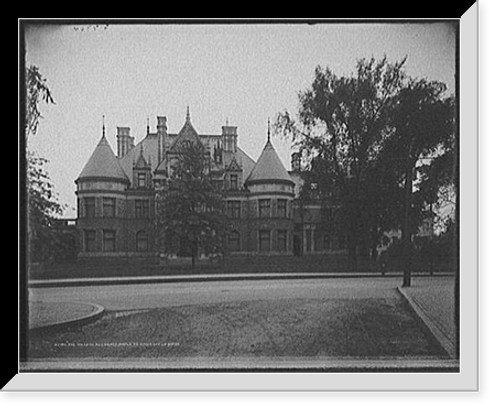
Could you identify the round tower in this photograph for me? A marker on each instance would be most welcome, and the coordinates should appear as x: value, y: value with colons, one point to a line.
x: 101, y: 195
x: 271, y: 192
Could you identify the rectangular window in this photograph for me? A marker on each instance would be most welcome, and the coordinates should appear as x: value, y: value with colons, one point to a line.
x: 89, y: 244
x: 89, y: 207
x: 342, y: 242
x: 264, y: 208
x: 233, y: 181
x: 141, y: 208
x: 234, y: 209
x: 308, y: 240
x: 234, y: 241
x: 282, y: 208
x: 109, y: 207
x: 141, y: 180
x: 219, y: 185
x: 109, y: 240
x: 327, y: 244
x: 141, y: 240
x: 264, y: 240
x: 282, y: 240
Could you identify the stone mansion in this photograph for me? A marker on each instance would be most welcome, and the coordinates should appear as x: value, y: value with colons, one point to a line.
x: 116, y: 196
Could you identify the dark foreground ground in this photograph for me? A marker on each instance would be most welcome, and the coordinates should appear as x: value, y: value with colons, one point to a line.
x: 359, y: 327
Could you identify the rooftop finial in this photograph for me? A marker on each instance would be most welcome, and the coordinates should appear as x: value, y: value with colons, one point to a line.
x: 268, y: 130
x: 147, y: 128
x: 103, y: 126
x: 188, y: 116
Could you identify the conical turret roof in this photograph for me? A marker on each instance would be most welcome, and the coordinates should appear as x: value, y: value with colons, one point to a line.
x: 269, y: 167
x: 103, y: 164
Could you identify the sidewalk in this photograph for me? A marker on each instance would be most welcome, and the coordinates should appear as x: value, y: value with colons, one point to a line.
x: 434, y: 303
x: 152, y: 279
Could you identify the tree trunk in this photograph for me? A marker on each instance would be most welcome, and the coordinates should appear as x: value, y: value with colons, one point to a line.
x: 351, y: 253
x: 352, y: 240
x: 374, y: 244
x: 407, y: 246
x: 374, y: 252
x: 194, y: 253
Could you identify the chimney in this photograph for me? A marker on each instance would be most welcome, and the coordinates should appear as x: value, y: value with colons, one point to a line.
x: 296, y: 161
x: 229, y: 138
x: 124, y: 141
x: 161, y: 129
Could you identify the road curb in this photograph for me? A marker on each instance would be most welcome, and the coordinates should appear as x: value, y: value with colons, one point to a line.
x: 82, y: 282
x: 218, y: 364
x: 96, y: 313
x: 441, y: 337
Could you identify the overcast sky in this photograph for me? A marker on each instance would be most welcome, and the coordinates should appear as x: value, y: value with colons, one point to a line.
x: 243, y: 73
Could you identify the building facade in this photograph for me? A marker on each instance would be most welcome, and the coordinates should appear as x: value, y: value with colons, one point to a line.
x: 116, y: 196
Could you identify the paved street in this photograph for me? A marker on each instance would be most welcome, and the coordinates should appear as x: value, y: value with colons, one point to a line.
x: 223, y: 323
x: 148, y: 296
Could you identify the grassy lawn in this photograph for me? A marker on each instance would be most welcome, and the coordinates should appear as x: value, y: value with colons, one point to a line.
x: 230, y: 265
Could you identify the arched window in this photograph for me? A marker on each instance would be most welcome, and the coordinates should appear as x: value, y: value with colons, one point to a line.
x: 141, y: 241
x: 234, y: 241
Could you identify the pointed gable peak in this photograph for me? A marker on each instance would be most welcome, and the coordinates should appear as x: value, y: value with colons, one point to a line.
x: 234, y: 165
x: 187, y: 133
x: 141, y: 161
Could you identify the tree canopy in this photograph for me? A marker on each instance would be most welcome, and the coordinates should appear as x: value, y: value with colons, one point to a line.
x: 362, y: 136
x: 190, y: 207
x: 43, y: 206
x: 37, y: 91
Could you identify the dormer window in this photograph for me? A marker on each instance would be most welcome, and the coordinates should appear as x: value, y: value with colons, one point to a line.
x: 233, y: 181
x: 141, y: 180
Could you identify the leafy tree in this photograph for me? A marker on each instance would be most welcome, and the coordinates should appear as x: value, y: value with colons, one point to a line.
x: 363, y: 137
x: 342, y: 126
x: 43, y: 208
x: 438, y: 180
x: 36, y: 91
x: 43, y: 205
x: 190, y: 208
x: 423, y: 122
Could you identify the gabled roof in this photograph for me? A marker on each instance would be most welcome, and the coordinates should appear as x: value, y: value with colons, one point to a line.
x: 246, y: 162
x: 186, y: 134
x: 269, y: 167
x: 233, y: 165
x: 103, y: 164
x: 150, y: 148
x: 141, y: 163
